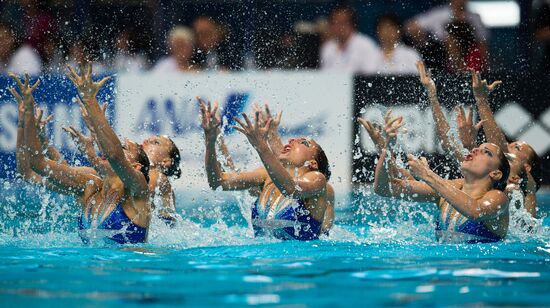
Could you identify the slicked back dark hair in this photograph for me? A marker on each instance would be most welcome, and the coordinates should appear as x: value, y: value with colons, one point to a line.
x: 174, y: 169
x: 143, y: 159
x: 322, y: 162
x: 505, y: 169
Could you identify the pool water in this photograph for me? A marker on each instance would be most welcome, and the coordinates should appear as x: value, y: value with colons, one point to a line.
x: 380, y: 253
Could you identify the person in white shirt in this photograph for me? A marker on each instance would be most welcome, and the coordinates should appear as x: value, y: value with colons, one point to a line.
x: 180, y: 44
x: 395, y: 58
x: 435, y: 20
x: 21, y: 60
x: 347, y: 50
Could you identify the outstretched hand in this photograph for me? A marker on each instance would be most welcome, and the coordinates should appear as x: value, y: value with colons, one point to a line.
x: 425, y: 77
x: 375, y: 133
x: 25, y: 89
x: 391, y: 127
x: 84, y: 83
x: 480, y: 87
x: 256, y: 133
x: 265, y: 115
x: 210, y: 121
x: 467, y: 130
x: 41, y: 126
x: 83, y: 142
x: 418, y: 167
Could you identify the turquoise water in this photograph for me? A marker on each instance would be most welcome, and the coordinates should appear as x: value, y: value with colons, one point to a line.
x: 380, y: 253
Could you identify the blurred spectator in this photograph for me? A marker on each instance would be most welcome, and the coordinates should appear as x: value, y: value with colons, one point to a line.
x: 212, y: 46
x: 80, y: 53
x: 347, y: 50
x: 541, y: 32
x: 53, y: 55
x: 17, y: 59
x: 38, y: 22
x: 463, y: 50
x: 126, y: 59
x: 180, y: 46
x: 394, y: 56
x: 428, y: 34
x: 435, y: 20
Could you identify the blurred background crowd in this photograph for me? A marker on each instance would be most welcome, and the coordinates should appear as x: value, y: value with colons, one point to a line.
x: 364, y: 37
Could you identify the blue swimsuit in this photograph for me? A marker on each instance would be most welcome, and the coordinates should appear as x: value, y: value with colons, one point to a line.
x: 291, y: 221
x: 118, y: 227
x: 469, y: 231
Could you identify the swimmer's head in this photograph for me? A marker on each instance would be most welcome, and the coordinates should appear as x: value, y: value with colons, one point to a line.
x: 137, y: 157
x: 163, y: 152
x: 487, y: 160
x: 301, y: 152
x: 521, y: 153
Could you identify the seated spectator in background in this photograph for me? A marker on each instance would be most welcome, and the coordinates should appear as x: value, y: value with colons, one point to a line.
x: 53, y: 55
x: 80, y: 54
x: 435, y: 21
x: 180, y: 45
x: 17, y: 59
x: 395, y: 58
x: 126, y: 59
x: 347, y: 50
x: 428, y: 34
x: 212, y: 46
x: 541, y: 28
x: 463, y: 50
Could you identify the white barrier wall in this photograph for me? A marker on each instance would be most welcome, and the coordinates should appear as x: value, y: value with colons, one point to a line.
x: 314, y: 105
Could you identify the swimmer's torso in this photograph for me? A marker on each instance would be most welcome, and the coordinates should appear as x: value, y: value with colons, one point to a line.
x: 450, y: 223
x: 285, y: 217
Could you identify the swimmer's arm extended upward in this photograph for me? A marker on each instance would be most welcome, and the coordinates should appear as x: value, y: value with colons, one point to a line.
x: 133, y: 179
x: 311, y: 184
x: 214, y: 173
x: 490, y: 206
x: 481, y: 92
x: 448, y: 143
x: 66, y: 179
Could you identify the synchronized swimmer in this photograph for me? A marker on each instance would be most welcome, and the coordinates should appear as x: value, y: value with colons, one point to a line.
x: 120, y: 193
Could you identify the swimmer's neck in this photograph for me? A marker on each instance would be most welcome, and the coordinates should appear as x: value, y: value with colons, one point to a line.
x: 296, y: 171
x: 476, y: 187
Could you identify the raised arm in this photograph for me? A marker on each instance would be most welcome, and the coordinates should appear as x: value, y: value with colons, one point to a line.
x: 65, y: 178
x: 216, y: 176
x: 309, y: 185
x: 442, y: 126
x: 481, y: 92
x: 490, y: 206
x: 133, y: 179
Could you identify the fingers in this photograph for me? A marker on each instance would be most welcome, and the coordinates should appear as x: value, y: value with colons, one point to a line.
x: 410, y: 157
x: 279, y: 116
x: 17, y: 80
x: 249, y: 124
x: 495, y: 84
x: 479, y: 125
x: 267, y: 111
x: 257, y: 119
x: 103, y: 81
x: 387, y: 115
x: 48, y: 119
x: 240, y: 122
x: 235, y: 127
x: 215, y: 109
x: 16, y: 95
x: 27, y: 79
x: 424, y: 161
x: 470, y: 115
x: 397, y: 120
x: 38, y: 115
x: 35, y: 85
